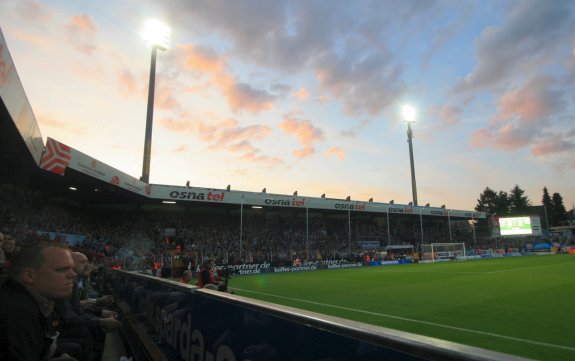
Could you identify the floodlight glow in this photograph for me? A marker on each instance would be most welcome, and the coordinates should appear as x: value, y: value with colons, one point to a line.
x: 156, y: 34
x: 408, y: 112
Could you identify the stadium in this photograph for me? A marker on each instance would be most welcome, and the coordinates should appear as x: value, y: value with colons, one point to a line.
x: 373, y: 280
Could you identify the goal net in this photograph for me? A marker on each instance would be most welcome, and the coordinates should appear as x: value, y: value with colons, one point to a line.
x: 435, y: 252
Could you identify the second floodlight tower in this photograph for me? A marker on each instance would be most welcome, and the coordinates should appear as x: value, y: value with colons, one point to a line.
x: 156, y: 34
x: 408, y: 114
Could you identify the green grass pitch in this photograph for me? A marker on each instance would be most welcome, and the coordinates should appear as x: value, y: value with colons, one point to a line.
x: 518, y: 305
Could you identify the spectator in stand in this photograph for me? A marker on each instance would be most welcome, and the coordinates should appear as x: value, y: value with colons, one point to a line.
x: 187, y: 277
x: 2, y: 256
x: 207, y: 278
x: 8, y: 247
x: 39, y: 274
x: 83, y: 324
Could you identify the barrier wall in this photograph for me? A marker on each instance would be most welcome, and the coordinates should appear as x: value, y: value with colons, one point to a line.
x: 187, y: 323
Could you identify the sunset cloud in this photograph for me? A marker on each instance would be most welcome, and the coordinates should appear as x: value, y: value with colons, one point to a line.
x: 240, y: 96
x: 519, y: 44
x: 531, y: 103
x: 225, y: 135
x: 164, y: 97
x: 558, y: 144
x: 201, y: 59
x: 305, y: 132
x: 32, y: 9
x: 337, y: 152
x: 81, y: 33
x: 127, y: 84
x: 301, y: 94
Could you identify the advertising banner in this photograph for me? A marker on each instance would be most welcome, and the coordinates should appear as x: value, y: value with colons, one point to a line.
x: 182, y: 193
x: 58, y: 157
x: 187, y: 326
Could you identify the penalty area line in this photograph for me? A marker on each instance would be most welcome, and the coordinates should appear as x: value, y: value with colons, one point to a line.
x: 490, y: 334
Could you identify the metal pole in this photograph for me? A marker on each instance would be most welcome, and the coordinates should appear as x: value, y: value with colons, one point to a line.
x: 421, y: 223
x: 307, y: 233
x: 449, y: 224
x: 546, y: 220
x: 349, y: 233
x: 388, y: 228
x: 241, y: 225
x: 413, y: 184
x: 149, y: 120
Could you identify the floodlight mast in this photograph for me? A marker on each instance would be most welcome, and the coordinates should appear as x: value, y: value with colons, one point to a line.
x: 156, y: 34
x: 408, y: 113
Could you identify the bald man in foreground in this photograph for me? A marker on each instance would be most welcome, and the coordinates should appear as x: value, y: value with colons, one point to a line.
x: 39, y: 274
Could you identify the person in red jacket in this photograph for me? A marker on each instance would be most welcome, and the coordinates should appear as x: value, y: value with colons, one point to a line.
x: 207, y: 276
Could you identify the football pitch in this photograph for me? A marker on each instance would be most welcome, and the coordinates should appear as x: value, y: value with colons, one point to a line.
x: 518, y: 305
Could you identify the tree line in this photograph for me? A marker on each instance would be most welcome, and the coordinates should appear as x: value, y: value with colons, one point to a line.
x: 515, y: 202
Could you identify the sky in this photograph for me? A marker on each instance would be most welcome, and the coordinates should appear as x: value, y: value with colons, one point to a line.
x: 306, y: 95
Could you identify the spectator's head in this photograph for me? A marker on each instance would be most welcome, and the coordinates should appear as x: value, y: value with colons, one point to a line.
x: 81, y: 265
x: 9, y: 244
x: 46, y: 269
x: 187, y: 275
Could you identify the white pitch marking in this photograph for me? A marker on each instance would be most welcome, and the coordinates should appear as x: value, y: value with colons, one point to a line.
x: 422, y: 322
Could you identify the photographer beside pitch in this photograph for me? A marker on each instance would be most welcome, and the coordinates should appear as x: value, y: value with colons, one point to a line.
x: 207, y: 278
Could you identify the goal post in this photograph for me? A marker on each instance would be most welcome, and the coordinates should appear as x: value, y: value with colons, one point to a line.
x: 436, y: 252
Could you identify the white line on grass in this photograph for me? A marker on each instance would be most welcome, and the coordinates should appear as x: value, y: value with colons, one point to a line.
x: 528, y: 268
x: 419, y: 321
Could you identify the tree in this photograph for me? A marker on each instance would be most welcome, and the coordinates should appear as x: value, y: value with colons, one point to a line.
x: 502, y: 203
x: 558, y: 212
x: 487, y: 201
x: 547, y: 206
x: 518, y: 201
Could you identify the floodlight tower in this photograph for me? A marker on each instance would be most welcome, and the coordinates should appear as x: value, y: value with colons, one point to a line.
x: 156, y: 34
x: 408, y: 113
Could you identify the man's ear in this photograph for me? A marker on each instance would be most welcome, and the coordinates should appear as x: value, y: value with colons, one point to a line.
x: 28, y: 276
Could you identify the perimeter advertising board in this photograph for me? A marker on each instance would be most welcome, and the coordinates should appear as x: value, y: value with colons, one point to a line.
x: 187, y: 326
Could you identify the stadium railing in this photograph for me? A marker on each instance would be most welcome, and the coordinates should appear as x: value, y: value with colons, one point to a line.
x: 179, y: 322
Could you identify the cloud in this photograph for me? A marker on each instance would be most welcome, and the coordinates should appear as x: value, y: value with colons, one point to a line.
x: 81, y: 33
x: 337, y: 152
x: 524, y: 115
x: 127, y: 84
x: 519, y: 44
x: 365, y: 84
x: 554, y: 145
x: 201, y: 59
x: 164, y: 96
x: 32, y: 10
x: 305, y: 132
x: 280, y: 89
x: 301, y: 94
x: 344, y: 45
x: 240, y: 96
x: 449, y: 115
x: 507, y: 138
x: 225, y: 135
x: 183, y: 149
x: 531, y: 103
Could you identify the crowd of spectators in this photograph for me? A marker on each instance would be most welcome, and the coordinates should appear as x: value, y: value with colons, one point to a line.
x: 137, y: 238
